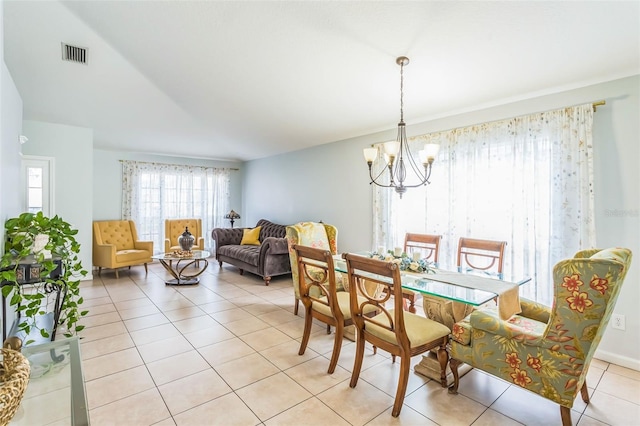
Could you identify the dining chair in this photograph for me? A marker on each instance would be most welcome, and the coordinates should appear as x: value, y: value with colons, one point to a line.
x: 547, y: 350
x: 394, y: 330
x: 429, y: 248
x: 320, y: 298
x: 481, y: 256
x: 311, y: 234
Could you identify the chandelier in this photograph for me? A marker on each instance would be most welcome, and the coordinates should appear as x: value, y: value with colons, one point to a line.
x: 397, y: 154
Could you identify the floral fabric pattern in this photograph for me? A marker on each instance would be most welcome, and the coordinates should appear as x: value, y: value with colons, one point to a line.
x: 548, y: 351
x: 311, y: 234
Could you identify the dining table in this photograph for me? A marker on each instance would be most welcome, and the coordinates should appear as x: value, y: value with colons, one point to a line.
x: 449, y: 296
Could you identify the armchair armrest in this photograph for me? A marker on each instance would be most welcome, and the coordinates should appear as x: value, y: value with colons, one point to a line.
x: 144, y: 245
x: 524, y: 330
x: 535, y: 310
x: 104, y: 254
x: 273, y: 245
x: 274, y: 256
x: 167, y: 245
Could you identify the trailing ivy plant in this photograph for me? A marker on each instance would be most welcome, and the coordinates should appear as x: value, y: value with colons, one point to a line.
x: 30, y: 301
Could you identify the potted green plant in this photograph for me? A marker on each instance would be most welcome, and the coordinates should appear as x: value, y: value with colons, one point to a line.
x: 24, y: 244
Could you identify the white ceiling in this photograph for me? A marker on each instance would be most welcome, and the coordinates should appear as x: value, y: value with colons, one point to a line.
x: 241, y: 80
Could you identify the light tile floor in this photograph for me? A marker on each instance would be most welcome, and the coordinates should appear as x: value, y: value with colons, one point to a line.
x: 226, y: 352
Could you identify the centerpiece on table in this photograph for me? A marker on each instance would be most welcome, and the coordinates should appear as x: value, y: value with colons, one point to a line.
x: 406, y: 263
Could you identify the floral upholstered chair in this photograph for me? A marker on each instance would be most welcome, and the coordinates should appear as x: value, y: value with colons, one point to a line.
x: 548, y: 350
x: 311, y: 234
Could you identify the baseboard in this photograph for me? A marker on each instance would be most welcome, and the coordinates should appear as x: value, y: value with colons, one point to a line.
x: 617, y: 359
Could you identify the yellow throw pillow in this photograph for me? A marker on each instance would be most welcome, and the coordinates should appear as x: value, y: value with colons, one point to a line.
x: 251, y: 236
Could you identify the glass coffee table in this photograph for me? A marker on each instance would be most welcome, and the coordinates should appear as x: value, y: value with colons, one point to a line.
x: 179, y: 272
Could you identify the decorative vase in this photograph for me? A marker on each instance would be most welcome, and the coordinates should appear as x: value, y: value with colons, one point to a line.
x: 186, y: 240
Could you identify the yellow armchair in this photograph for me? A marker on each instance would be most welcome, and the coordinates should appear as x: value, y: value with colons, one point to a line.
x: 173, y: 228
x: 116, y: 245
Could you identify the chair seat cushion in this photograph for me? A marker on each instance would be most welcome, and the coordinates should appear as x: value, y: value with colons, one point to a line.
x: 343, y: 302
x: 420, y: 330
x: 131, y: 255
x: 461, y: 331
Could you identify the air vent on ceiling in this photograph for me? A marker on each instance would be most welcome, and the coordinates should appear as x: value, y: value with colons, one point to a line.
x: 74, y: 54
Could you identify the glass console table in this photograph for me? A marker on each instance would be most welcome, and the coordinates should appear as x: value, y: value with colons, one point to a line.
x: 55, y: 393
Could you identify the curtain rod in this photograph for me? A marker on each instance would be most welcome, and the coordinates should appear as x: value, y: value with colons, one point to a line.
x: 594, y: 104
x: 173, y: 164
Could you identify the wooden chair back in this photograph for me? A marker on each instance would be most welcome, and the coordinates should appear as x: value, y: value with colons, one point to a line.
x: 320, y: 297
x: 387, y: 275
x: 427, y: 245
x: 316, y: 271
x: 481, y: 255
x: 398, y: 332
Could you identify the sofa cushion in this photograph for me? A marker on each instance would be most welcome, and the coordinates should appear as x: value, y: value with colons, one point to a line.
x: 247, y: 254
x: 251, y: 236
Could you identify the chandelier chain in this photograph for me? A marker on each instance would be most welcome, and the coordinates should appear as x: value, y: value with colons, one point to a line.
x: 402, y: 92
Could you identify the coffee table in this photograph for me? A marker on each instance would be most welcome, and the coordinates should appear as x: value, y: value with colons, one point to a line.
x: 179, y: 272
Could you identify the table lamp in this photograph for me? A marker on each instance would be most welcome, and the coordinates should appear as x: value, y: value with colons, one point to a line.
x: 232, y: 215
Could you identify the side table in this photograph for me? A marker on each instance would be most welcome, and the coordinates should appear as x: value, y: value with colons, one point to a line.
x: 28, y: 273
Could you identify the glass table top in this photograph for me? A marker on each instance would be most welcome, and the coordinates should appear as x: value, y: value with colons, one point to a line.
x: 426, y: 284
x: 195, y: 255
x: 55, y: 393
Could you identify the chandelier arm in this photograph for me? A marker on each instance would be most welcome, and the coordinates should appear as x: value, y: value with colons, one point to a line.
x: 375, y: 180
x: 419, y: 170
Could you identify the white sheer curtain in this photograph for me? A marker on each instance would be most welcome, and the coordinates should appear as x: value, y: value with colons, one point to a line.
x: 526, y: 180
x: 153, y: 192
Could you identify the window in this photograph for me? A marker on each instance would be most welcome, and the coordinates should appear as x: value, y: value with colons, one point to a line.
x: 154, y: 192
x: 37, y: 176
x: 527, y: 181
